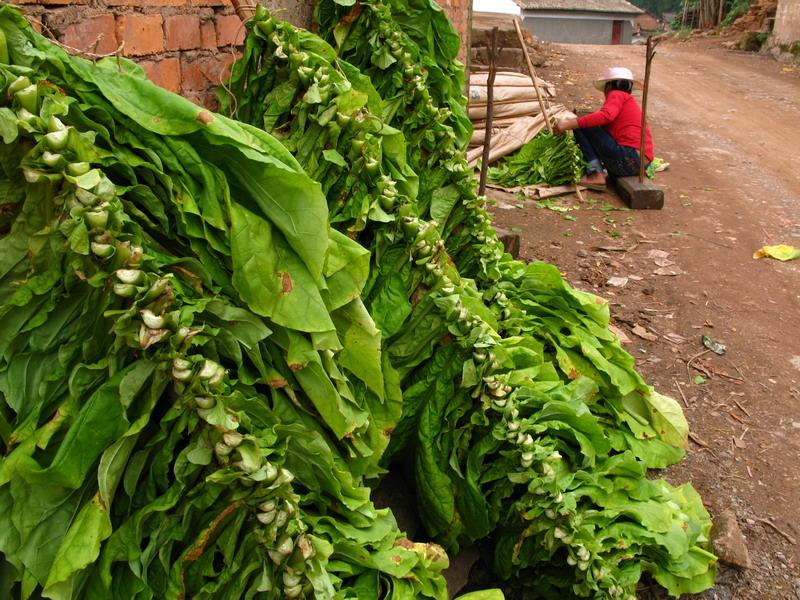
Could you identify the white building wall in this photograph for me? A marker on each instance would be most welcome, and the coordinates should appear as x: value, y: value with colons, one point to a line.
x: 576, y: 28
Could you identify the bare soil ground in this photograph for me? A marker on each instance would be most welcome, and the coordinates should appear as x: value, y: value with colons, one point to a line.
x: 729, y: 125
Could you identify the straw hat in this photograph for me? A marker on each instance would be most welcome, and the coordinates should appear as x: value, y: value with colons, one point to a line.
x: 613, y: 73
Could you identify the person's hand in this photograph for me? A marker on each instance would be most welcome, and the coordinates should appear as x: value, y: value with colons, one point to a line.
x: 561, y: 126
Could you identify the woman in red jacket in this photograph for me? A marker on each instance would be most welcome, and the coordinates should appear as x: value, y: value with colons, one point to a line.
x: 611, y: 137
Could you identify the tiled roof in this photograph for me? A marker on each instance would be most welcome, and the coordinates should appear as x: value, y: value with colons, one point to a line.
x: 605, y: 6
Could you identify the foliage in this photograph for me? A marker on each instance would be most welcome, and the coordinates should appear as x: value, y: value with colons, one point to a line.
x: 514, y: 391
x: 206, y: 354
x: 171, y: 297
x: 659, y: 7
x: 548, y: 159
x: 734, y: 10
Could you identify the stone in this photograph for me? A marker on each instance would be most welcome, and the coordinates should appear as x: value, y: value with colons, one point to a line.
x: 510, y: 241
x: 728, y: 541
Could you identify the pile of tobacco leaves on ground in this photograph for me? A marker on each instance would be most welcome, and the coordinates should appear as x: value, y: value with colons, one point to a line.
x: 547, y: 158
x: 218, y: 333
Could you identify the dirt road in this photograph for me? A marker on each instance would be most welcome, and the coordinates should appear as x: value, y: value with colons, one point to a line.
x: 729, y: 125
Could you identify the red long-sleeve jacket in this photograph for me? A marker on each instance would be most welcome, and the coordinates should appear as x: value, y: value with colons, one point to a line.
x: 621, y: 117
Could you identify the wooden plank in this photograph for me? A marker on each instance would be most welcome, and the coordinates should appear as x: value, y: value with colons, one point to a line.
x: 639, y: 195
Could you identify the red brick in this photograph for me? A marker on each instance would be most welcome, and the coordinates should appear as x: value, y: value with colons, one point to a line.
x: 34, y: 16
x: 204, y: 73
x: 165, y: 72
x: 192, y: 76
x: 210, y: 2
x: 145, y: 3
x: 230, y: 31
x: 97, y: 35
x: 208, y: 35
x: 51, y: 2
x: 182, y: 32
x: 205, y: 99
x: 142, y: 34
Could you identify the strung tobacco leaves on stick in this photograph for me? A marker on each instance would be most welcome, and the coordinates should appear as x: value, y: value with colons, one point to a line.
x: 530, y: 430
x: 190, y: 386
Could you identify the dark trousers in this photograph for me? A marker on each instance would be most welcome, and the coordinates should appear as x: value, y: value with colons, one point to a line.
x: 601, y: 150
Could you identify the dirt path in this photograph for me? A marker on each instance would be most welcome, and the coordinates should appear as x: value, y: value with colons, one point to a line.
x: 729, y: 125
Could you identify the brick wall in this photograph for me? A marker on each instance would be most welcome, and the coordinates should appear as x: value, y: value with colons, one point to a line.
x: 787, y: 22
x: 186, y: 46
x: 460, y: 14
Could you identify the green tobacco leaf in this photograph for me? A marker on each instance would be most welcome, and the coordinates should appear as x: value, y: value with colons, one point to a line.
x: 271, y: 278
x: 346, y: 270
x: 112, y: 465
x: 8, y: 125
x: 134, y: 95
x: 362, y: 345
x: 81, y: 545
x: 292, y: 202
x: 668, y: 420
x: 390, y: 307
x: 332, y: 156
x: 248, y: 328
x: 483, y: 595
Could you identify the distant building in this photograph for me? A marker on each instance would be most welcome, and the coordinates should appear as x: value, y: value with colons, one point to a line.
x: 646, y: 22
x: 580, y: 21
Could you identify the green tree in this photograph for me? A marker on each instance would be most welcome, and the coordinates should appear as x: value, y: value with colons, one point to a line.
x: 658, y: 7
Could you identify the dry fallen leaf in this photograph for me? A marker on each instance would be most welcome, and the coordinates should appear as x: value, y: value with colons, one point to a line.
x: 675, y: 338
x: 643, y: 333
x: 623, y: 337
x: 617, y: 281
x: 667, y: 272
x: 657, y: 254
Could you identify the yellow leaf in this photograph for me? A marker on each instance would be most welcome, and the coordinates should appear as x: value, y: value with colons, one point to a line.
x: 781, y: 252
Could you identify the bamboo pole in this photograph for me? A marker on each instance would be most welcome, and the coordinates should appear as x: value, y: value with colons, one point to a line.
x: 532, y: 73
x: 491, y: 46
x: 719, y: 15
x: 245, y: 9
x: 651, y: 52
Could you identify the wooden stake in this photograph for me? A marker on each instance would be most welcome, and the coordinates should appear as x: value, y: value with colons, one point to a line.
x: 532, y: 73
x: 491, y: 46
x: 651, y: 52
